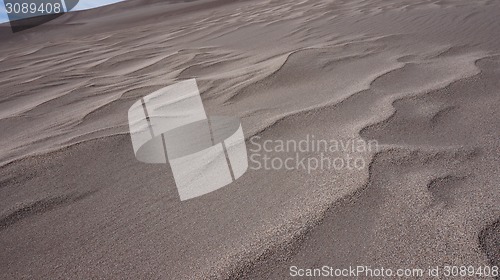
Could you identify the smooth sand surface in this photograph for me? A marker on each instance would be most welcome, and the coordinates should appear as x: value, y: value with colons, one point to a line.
x: 420, y: 77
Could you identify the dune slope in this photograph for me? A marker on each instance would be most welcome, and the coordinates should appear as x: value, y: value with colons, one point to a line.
x: 419, y: 77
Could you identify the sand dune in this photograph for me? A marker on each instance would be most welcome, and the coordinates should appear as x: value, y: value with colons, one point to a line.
x: 419, y: 77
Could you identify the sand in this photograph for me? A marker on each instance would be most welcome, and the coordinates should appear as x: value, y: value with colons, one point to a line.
x: 419, y: 77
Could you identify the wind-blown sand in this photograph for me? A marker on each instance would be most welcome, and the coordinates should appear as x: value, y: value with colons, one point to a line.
x: 420, y: 77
